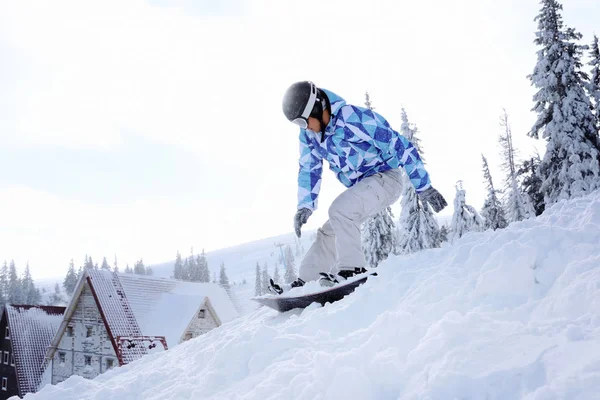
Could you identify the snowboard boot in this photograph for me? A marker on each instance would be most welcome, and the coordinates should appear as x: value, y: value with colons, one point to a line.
x: 284, y: 287
x: 331, y: 279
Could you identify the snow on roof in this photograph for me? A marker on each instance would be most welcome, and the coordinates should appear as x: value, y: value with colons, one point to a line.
x: 116, y: 310
x: 31, y: 331
x: 165, y: 307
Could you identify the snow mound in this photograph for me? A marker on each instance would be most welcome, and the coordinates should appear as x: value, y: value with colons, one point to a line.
x: 511, y: 314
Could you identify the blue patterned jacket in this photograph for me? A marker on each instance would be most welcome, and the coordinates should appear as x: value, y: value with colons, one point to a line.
x: 358, y: 143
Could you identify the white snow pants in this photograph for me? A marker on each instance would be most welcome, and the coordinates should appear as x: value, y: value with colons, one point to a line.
x: 338, y: 244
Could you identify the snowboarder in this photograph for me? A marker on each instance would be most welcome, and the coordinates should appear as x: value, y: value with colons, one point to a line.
x: 365, y: 153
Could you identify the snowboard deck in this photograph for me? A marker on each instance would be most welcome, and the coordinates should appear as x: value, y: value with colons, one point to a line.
x: 331, y: 294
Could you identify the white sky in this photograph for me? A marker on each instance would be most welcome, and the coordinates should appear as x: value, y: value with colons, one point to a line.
x: 141, y: 128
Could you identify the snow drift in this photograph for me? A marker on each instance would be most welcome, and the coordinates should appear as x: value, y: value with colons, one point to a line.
x: 511, y: 314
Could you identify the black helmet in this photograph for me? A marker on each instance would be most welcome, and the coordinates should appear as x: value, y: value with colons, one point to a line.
x: 303, y: 100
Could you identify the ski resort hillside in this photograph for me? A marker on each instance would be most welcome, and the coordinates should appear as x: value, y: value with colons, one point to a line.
x: 507, y: 314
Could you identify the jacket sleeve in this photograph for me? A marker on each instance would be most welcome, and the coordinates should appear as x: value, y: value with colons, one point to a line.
x: 309, y: 175
x: 396, y: 150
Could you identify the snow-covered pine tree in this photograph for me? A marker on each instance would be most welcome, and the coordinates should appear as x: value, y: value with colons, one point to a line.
x: 594, y: 83
x: 444, y: 231
x: 223, y: 279
x: 116, y: 266
x: 178, y: 267
x: 56, y: 299
x: 492, y: 212
x: 139, y: 268
x: 105, y: 265
x: 418, y: 228
x: 14, y: 285
x: 194, y: 268
x: 276, y: 277
x: 378, y: 237
x: 571, y: 164
x: 379, y: 231
x: 531, y: 183
x: 204, y: 271
x: 185, y: 270
x: 71, y: 279
x: 258, y: 285
x: 128, y: 269
x: 29, y: 293
x: 4, y: 287
x: 88, y: 262
x: 465, y: 218
x: 149, y: 271
x: 265, y: 280
x: 515, y: 205
x: 290, y: 263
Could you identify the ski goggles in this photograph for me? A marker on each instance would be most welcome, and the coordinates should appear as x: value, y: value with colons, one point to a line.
x: 302, y: 120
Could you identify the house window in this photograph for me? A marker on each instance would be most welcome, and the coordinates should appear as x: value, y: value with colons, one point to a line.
x: 6, y: 357
x: 62, y: 357
x: 188, y: 335
x: 88, y: 332
x: 201, y: 313
x: 88, y: 360
x: 12, y: 360
x: 7, y: 335
x: 69, y: 331
x: 109, y: 363
x: 5, y: 384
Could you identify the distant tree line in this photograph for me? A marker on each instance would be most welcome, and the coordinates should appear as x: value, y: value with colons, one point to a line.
x: 15, y: 289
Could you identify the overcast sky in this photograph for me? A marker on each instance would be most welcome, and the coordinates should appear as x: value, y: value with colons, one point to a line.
x: 139, y: 128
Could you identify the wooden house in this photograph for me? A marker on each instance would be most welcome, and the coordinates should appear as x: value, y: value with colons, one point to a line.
x: 113, y: 319
x: 26, y: 332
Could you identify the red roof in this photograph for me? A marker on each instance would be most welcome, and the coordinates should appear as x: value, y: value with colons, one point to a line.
x: 32, y: 329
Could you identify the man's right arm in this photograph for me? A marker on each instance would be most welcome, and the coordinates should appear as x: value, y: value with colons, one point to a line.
x: 309, y: 175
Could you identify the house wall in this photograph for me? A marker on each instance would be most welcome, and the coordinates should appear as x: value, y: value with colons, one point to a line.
x: 79, y: 346
x: 7, y: 370
x: 199, y: 326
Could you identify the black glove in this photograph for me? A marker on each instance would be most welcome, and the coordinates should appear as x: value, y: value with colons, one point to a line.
x: 300, y: 219
x: 434, y: 198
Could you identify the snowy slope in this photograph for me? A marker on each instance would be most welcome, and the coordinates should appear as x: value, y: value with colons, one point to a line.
x: 513, y: 314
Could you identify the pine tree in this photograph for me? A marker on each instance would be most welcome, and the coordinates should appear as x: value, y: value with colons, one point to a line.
x: 571, y: 164
x: 105, y: 265
x: 444, y: 231
x: 378, y: 238
x: 492, y: 212
x: 531, y: 183
x: 516, y: 209
x: 178, y: 267
x: 465, y: 218
x: 29, y: 293
x: 56, y: 299
x: 116, y: 266
x: 70, y: 281
x: 139, y: 268
x: 203, y: 266
x: 149, y: 271
x: 290, y: 272
x: 258, y: 285
x: 417, y: 227
x: 185, y: 271
x: 276, y: 277
x: 14, y: 285
x: 594, y: 84
x: 265, y: 279
x: 223, y: 279
x: 4, y: 287
x: 89, y: 263
x: 194, y: 268
x: 128, y: 269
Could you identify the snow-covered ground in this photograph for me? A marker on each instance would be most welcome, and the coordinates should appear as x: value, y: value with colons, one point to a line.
x: 512, y: 314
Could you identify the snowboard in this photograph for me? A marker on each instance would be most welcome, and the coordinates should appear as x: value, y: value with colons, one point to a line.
x: 283, y: 303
